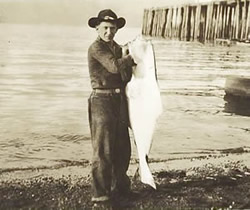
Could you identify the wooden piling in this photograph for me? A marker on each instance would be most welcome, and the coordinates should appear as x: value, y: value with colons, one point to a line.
x: 248, y: 22
x: 227, y: 29
x: 186, y: 24
x: 219, y: 32
x: 144, y: 22
x: 162, y: 23
x: 192, y: 22
x: 151, y: 22
x: 209, y: 16
x: 237, y: 11
x: 183, y: 27
x: 215, y: 20
x: 243, y: 20
x: 168, y: 23
x: 154, y: 26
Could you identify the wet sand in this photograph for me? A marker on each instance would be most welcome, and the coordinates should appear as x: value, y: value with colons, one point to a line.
x: 211, y: 182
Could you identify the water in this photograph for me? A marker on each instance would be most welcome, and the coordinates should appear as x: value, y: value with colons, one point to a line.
x: 44, y: 87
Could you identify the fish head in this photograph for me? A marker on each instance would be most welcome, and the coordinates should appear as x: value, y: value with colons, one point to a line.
x: 140, y: 49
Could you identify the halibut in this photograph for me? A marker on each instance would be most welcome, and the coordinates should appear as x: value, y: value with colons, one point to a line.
x: 144, y: 102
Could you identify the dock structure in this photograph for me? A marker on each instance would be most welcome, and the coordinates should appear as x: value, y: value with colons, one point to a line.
x: 204, y: 21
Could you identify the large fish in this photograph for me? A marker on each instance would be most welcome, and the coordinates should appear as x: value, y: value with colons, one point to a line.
x: 144, y: 102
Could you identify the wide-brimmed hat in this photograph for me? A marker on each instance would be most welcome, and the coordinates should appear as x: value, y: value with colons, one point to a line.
x: 109, y: 16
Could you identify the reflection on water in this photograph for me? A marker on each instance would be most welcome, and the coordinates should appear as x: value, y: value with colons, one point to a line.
x: 44, y: 88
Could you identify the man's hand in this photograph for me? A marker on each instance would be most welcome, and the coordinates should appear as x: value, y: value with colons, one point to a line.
x: 125, y: 50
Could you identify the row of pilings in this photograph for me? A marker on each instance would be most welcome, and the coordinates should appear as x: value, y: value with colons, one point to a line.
x: 214, y: 20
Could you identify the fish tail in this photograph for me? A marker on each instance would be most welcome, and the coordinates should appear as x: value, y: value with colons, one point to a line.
x: 146, y: 175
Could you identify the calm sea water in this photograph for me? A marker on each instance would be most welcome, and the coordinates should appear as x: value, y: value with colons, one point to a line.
x: 44, y: 87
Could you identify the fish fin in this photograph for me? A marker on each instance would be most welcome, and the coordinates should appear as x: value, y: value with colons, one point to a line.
x: 146, y: 175
x: 149, y: 180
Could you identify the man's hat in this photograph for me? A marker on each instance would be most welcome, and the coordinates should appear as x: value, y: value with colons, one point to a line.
x: 106, y: 15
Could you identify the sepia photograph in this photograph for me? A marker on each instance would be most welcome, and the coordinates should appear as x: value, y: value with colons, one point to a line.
x: 137, y: 104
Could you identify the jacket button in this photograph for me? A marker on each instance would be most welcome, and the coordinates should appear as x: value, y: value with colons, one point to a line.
x: 117, y: 90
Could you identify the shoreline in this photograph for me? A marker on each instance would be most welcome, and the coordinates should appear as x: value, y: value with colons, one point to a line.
x: 179, y: 182
x: 82, y: 169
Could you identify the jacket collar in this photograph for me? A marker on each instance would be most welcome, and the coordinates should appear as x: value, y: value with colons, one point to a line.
x: 110, y: 45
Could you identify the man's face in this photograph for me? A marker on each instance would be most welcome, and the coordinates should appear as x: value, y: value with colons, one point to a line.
x: 106, y: 31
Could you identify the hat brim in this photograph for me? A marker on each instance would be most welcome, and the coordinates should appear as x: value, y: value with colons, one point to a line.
x: 94, y: 21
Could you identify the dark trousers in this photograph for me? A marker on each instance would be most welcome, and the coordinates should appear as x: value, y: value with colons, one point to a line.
x: 108, y: 119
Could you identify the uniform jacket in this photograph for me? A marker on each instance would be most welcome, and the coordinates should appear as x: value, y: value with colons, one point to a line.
x: 107, y: 68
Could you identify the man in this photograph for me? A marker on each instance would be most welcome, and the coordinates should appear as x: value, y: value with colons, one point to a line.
x: 108, y: 114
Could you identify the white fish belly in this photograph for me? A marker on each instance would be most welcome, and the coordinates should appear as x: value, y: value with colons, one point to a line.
x: 144, y: 104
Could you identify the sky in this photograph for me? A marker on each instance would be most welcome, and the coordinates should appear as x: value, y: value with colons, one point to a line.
x: 75, y: 12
